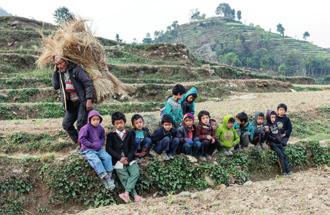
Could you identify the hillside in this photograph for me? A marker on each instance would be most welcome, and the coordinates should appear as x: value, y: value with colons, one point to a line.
x: 231, y: 42
x: 42, y: 172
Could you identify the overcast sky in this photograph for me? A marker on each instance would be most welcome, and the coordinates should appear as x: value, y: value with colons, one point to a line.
x: 134, y: 18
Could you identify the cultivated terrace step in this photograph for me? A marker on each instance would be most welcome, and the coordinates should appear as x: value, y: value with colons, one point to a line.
x: 10, y: 111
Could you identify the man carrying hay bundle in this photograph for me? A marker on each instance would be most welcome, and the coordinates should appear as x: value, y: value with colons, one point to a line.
x: 81, y: 72
x: 77, y: 92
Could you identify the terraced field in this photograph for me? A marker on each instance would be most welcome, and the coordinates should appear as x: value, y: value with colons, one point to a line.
x: 40, y: 168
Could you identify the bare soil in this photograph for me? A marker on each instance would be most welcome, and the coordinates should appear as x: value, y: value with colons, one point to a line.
x: 305, y: 192
x: 248, y: 102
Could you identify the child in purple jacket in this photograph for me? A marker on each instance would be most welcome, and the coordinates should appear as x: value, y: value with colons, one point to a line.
x: 91, y: 139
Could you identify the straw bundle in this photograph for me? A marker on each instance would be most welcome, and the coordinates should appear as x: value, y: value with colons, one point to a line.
x: 75, y: 42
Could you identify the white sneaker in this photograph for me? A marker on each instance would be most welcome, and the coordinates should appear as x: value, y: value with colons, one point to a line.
x: 111, y: 184
x: 165, y: 157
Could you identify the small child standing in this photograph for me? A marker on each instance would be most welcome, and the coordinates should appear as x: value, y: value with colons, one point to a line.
x: 275, y: 140
x: 121, y: 146
x: 206, y: 135
x: 173, y: 107
x: 166, y: 139
x: 91, y: 139
x: 188, y: 101
x: 244, y: 129
x: 259, y: 130
x: 227, y: 135
x: 142, y: 136
x: 284, y: 123
x: 187, y: 136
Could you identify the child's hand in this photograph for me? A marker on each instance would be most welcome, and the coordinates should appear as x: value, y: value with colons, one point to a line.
x: 209, y: 137
x: 266, y: 128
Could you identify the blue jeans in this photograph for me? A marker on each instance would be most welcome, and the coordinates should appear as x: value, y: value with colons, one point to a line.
x: 279, y: 149
x: 144, y: 143
x: 192, y: 147
x: 167, y: 144
x: 99, y: 160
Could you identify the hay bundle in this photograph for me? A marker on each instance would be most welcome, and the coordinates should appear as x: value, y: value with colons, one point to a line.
x: 75, y: 42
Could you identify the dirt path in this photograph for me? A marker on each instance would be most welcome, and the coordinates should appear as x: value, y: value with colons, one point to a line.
x: 301, y: 193
x: 248, y: 102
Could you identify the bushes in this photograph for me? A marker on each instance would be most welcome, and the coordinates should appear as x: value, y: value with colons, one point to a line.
x: 73, y: 181
x: 297, y: 155
x: 320, y: 154
x: 170, y: 177
x: 14, y: 187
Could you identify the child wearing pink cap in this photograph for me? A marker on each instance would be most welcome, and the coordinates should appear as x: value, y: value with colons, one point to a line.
x: 187, y: 136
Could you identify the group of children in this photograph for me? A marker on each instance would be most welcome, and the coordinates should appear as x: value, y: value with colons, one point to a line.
x: 177, y: 134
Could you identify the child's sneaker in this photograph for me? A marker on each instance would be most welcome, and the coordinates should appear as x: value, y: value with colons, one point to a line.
x: 264, y: 146
x: 165, y: 157
x: 105, y: 183
x: 191, y: 159
x: 171, y: 157
x: 110, y: 182
x: 203, y: 158
x: 227, y: 152
x: 153, y: 153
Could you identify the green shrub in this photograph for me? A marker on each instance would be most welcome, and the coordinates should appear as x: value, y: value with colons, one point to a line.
x: 320, y: 154
x: 297, y: 155
x: 12, y: 194
x: 75, y: 180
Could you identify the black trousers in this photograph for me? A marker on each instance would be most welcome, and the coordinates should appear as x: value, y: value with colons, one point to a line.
x: 208, y: 147
x: 76, y: 111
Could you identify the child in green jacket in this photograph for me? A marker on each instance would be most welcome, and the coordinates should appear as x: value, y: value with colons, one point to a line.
x: 172, y: 105
x: 227, y: 135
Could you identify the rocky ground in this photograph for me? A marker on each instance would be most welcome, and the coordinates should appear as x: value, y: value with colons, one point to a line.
x: 305, y: 192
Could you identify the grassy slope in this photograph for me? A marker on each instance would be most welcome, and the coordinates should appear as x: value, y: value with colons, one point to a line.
x: 220, y: 36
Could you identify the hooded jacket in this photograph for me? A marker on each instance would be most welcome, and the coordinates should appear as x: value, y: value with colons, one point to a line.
x: 186, y: 106
x: 90, y: 137
x: 228, y: 137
